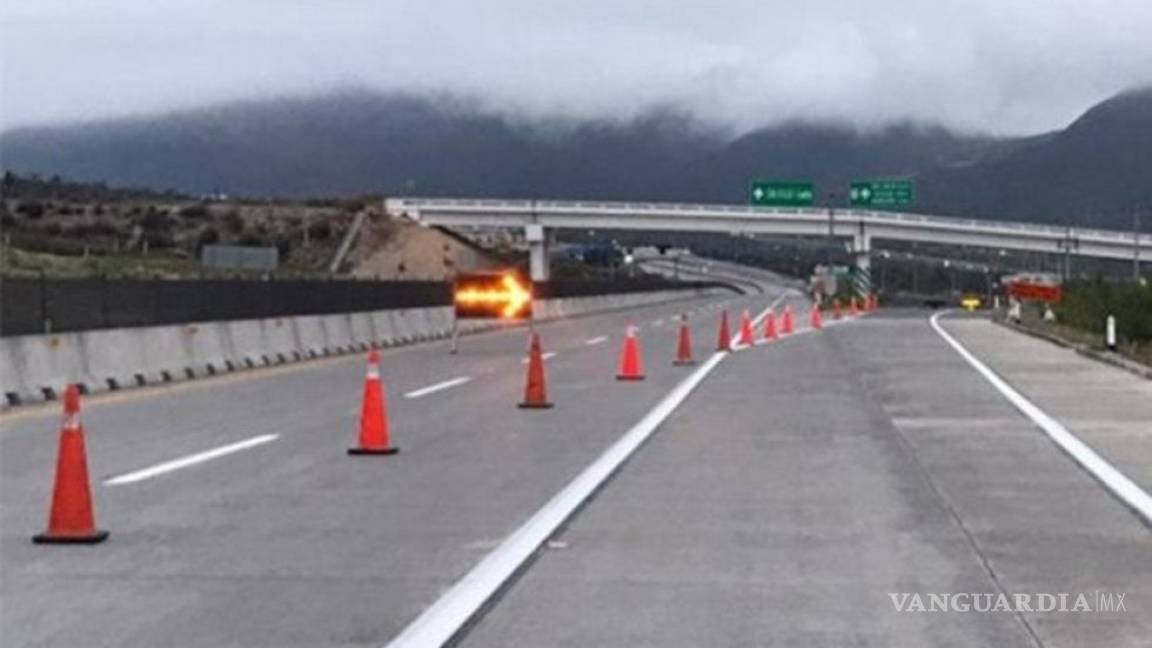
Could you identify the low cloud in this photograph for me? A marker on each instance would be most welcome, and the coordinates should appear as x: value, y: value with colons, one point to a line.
x: 996, y: 66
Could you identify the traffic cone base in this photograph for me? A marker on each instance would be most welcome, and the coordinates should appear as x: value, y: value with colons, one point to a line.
x: 373, y: 450
x: 683, y: 363
x: 93, y: 537
x: 527, y: 405
x: 629, y: 377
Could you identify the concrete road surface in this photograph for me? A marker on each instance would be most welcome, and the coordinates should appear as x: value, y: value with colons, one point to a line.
x: 781, y: 504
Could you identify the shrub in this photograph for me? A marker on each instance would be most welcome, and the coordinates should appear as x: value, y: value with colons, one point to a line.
x: 154, y: 220
x: 320, y: 230
x: 195, y: 212
x: 233, y: 221
x: 207, y: 236
x: 32, y: 210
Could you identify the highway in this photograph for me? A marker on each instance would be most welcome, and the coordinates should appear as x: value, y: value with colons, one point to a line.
x: 780, y: 503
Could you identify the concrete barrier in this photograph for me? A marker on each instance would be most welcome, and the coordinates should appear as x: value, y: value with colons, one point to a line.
x: 36, y: 367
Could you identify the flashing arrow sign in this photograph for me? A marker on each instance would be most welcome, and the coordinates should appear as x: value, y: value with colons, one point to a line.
x: 770, y: 193
x: 492, y: 295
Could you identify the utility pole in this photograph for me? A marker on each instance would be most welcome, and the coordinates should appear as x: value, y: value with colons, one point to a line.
x: 1136, y: 246
x: 1067, y: 254
x: 831, y: 225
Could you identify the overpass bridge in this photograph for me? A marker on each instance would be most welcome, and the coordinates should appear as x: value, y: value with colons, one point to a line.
x: 859, y: 227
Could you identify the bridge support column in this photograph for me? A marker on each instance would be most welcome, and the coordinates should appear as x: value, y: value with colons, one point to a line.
x: 862, y: 248
x: 537, y: 239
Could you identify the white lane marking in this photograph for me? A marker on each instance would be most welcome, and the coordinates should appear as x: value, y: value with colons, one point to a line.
x: 543, y: 356
x: 596, y: 340
x: 444, y: 618
x: 658, y: 322
x: 431, y: 389
x: 1136, y: 498
x: 190, y: 460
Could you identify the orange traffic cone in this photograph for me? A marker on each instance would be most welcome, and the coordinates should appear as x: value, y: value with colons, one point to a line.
x: 535, y: 392
x: 786, y: 324
x: 373, y: 414
x: 746, y: 336
x: 71, y: 520
x: 853, y: 308
x: 835, y: 309
x: 770, y: 326
x: 814, y: 319
x: 684, y: 345
x: 723, y: 336
x: 630, y: 358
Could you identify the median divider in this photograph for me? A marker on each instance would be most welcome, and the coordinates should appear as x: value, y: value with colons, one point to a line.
x: 37, y: 367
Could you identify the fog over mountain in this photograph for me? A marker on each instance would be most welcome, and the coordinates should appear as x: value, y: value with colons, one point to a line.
x: 988, y: 66
x: 1094, y: 172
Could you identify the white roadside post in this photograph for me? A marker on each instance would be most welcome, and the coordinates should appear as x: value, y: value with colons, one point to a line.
x: 1110, y: 333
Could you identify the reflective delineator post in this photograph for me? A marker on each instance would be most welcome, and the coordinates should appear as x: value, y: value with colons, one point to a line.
x: 1110, y: 333
x: 71, y: 519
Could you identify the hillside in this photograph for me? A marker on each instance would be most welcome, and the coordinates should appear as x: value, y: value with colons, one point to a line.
x: 1093, y: 173
x: 65, y: 228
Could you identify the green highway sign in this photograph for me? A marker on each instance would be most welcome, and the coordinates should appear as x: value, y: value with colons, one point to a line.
x: 880, y: 193
x: 769, y: 193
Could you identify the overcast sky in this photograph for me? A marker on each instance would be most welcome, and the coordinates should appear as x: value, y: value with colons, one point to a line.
x: 1001, y: 66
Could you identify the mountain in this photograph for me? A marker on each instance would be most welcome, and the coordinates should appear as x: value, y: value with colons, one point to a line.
x: 1096, y: 172
x: 1093, y: 172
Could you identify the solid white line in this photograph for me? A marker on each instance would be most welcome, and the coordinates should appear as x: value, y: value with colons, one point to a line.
x: 444, y: 618
x: 431, y: 389
x: 596, y: 340
x: 1122, y: 487
x: 190, y: 460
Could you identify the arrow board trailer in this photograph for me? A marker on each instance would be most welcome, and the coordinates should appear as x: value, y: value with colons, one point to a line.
x: 505, y: 296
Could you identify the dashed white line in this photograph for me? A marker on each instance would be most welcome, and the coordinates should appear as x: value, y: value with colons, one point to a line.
x: 432, y: 389
x: 596, y: 340
x: 1125, y: 489
x: 190, y: 460
x: 543, y: 356
x: 439, y: 623
x: 658, y: 322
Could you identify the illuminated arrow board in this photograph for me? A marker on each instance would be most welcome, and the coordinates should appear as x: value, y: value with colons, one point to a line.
x: 503, y: 295
x: 772, y: 193
x: 880, y: 193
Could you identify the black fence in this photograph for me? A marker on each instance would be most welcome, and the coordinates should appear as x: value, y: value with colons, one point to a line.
x: 30, y: 306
